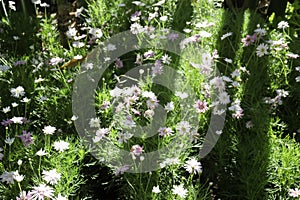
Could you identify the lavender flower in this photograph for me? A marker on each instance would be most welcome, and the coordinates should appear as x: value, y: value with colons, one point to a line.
x: 26, y: 138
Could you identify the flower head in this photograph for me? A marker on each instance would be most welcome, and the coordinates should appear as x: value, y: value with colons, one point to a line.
x: 17, y: 92
x: 136, y: 150
x: 193, y: 166
x: 164, y: 131
x: 26, y: 138
x: 49, y: 130
x: 283, y: 25
x: 294, y: 192
x: 40, y: 192
x: 179, y: 190
x: 61, y: 146
x: 51, y: 176
x: 262, y: 50
x: 201, y: 106
x: 156, y: 189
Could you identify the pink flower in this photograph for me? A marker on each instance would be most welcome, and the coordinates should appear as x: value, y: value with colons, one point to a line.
x: 201, y: 106
x: 249, y: 39
x: 136, y: 150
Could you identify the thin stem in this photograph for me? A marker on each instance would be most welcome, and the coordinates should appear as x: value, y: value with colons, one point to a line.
x: 3, y: 6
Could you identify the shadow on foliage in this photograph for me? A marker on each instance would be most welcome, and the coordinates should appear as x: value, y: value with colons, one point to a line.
x: 238, y: 163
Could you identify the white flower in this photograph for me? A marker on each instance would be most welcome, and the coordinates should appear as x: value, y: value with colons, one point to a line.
x: 294, y: 192
x: 17, y: 92
x: 148, y: 94
x: 297, y: 79
x: 179, y: 190
x: 224, y: 98
x: 40, y: 192
x: 88, y: 66
x: 17, y: 120
x: 169, y: 106
x: 100, y: 133
x: 260, y: 31
x: 111, y: 47
x: 78, y: 11
x: 283, y: 25
x: 11, y: 5
x: 226, y: 35
x: 25, y: 100
x: 36, y: 1
x: 44, y: 5
x: 116, y: 92
x: 39, y: 80
x: 219, y: 132
x: 124, y: 137
x: 166, y: 59
x: 183, y: 127
x: 49, y: 130
x: 163, y: 18
x: 193, y: 166
x: 77, y: 44
x: 61, y: 145
x: 156, y: 189
x: 55, y: 61
x: 181, y: 95
x: 94, y: 122
x: 136, y: 28
x: 96, y: 32
x: 128, y: 122
x: 262, y: 50
x: 41, y: 152
x: 14, y: 104
x: 71, y: 33
x: 169, y: 161
x: 205, y: 34
x: 51, y: 177
x: 228, y: 60
x: 6, y: 109
x: 74, y: 118
x: 9, y: 141
x: 18, y: 177
x: 235, y: 73
x: 19, y: 162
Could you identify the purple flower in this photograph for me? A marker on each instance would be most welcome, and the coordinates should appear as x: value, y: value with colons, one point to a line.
x: 6, y: 122
x: 173, y: 36
x: 249, y: 39
x: 136, y: 14
x: 20, y: 62
x: 149, y: 54
x: 122, y: 169
x: 157, y: 68
x: 119, y: 63
x: 26, y: 138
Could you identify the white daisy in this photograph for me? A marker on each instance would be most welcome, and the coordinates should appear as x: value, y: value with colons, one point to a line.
x: 49, y: 130
x: 61, y: 145
x: 51, y: 176
x: 193, y: 166
x: 262, y: 50
x: 179, y: 190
